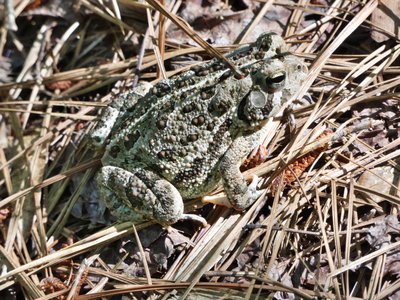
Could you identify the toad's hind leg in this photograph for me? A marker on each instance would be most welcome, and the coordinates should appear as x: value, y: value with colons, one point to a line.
x: 140, y: 194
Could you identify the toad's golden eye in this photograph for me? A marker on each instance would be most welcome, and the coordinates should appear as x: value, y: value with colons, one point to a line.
x: 276, y: 82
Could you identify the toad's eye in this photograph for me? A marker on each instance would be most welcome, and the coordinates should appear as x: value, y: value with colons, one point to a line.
x: 276, y: 82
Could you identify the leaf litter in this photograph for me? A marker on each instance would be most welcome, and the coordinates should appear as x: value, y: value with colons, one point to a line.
x: 336, y: 220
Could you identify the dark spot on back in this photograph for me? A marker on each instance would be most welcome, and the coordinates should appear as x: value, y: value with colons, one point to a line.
x: 131, y: 139
x: 114, y: 151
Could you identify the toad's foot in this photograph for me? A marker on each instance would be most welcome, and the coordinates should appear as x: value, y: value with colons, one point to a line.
x: 220, y: 199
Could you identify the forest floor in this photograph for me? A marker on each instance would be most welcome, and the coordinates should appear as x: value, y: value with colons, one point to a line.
x: 326, y: 225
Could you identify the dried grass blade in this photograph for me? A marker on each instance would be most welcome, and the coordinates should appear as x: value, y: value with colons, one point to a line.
x: 83, y: 269
x: 326, y: 244
x: 183, y: 25
x: 53, y: 114
x: 107, y: 17
x: 385, y: 249
x: 161, y: 40
x: 6, y: 171
x: 142, y: 254
x: 117, y: 13
x: 23, y: 278
x: 50, y: 181
x: 295, y: 17
x: 321, y: 59
x: 388, y: 290
x: 156, y: 48
x: 255, y: 21
x: 349, y: 229
x: 87, y: 244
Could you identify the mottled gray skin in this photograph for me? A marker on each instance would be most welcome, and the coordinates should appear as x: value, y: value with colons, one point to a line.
x: 177, y: 140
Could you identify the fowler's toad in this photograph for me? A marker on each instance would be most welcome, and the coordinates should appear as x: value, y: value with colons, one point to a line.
x: 178, y: 139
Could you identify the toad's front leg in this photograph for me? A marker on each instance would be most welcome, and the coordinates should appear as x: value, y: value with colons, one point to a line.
x: 239, y: 194
x: 141, y: 195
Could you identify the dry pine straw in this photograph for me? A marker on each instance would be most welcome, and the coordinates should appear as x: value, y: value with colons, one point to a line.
x: 338, y: 83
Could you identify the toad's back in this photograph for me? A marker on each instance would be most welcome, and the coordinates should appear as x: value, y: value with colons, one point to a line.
x: 183, y: 126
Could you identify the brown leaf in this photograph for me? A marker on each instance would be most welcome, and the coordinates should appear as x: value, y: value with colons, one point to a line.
x: 59, y: 85
x: 379, y: 235
x: 386, y: 17
x: 258, y: 156
x: 383, y: 179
